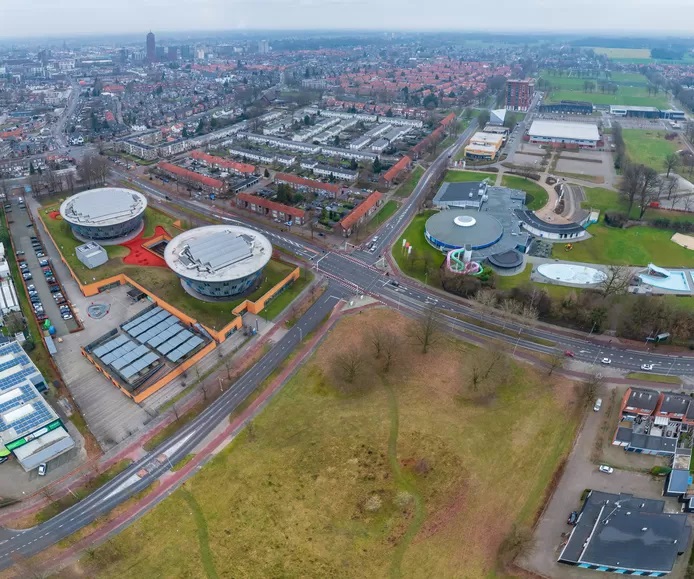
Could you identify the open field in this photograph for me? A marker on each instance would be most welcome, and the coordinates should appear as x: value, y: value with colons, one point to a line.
x: 633, y: 246
x: 215, y: 315
x: 649, y: 147
x: 406, y: 188
x: 662, y: 378
x: 384, y: 480
x: 456, y: 176
x: 618, y: 53
x: 625, y: 95
x: 601, y: 199
x: 62, y: 235
x: 537, y: 196
x: 578, y: 83
x: 424, y: 260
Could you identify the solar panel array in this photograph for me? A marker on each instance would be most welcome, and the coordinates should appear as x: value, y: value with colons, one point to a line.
x: 185, y: 348
x: 150, y: 322
x: 139, y: 365
x: 165, y: 324
x: 218, y: 250
x: 109, y: 346
x: 142, y: 318
x: 27, y: 394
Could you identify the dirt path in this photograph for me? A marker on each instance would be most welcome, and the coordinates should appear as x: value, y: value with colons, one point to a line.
x: 404, y: 482
x: 203, y: 535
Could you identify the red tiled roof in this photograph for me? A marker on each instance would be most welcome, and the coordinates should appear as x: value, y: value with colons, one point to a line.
x: 223, y: 163
x: 272, y: 205
x: 448, y: 120
x: 181, y: 172
x: 310, y: 183
x: 361, y: 210
x: 396, y: 169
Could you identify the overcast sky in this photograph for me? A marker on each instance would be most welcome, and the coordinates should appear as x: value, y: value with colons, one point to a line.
x: 67, y: 17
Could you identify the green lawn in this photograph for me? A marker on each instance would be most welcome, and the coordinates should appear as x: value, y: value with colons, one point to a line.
x: 621, y: 53
x: 536, y: 195
x: 507, y: 282
x: 383, y: 214
x: 379, y: 482
x: 62, y: 234
x: 649, y: 147
x: 406, y: 188
x: 575, y: 83
x: 633, y: 246
x: 626, y: 95
x: 278, y: 304
x: 457, y: 176
x: 424, y: 261
x: 164, y: 283
x: 662, y: 378
x: 601, y: 199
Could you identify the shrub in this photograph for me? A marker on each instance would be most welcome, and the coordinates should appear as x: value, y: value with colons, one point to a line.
x: 660, y: 470
x: 616, y: 219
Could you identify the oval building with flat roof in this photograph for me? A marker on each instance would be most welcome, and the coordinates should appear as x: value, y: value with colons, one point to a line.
x: 105, y: 214
x: 218, y: 261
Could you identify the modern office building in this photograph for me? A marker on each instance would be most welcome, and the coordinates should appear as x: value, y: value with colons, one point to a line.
x: 519, y: 94
x: 218, y: 261
x: 104, y: 214
x: 151, y: 47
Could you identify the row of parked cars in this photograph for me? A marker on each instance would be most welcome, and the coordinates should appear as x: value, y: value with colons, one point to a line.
x: 53, y: 285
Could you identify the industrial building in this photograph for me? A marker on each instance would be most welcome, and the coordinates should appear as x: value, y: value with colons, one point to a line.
x: 29, y: 428
x: 626, y: 535
x: 519, y: 94
x: 585, y: 135
x: 218, y: 261
x: 646, y: 113
x: 566, y: 107
x: 105, y: 214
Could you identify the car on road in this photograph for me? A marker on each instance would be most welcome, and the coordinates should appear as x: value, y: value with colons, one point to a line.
x: 647, y: 367
x: 42, y: 469
x: 606, y: 361
x: 394, y: 283
x: 569, y: 354
x: 573, y: 518
x: 606, y: 469
x: 30, y: 225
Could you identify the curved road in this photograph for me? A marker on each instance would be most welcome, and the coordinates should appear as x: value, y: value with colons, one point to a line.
x: 349, y: 275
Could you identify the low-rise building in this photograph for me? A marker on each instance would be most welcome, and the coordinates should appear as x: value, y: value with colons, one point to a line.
x: 8, y: 297
x: 271, y: 209
x: 360, y: 214
x: 396, y: 170
x: 259, y: 156
x: 311, y: 185
x: 193, y: 179
x: 484, y: 146
x: 223, y: 164
x: 335, y: 172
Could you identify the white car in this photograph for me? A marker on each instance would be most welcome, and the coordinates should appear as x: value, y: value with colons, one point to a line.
x: 647, y: 367
x: 606, y: 361
x: 42, y: 469
x: 606, y: 469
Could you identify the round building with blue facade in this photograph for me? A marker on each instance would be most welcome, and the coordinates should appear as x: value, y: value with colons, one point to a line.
x: 219, y: 262
x: 107, y: 214
x: 458, y: 228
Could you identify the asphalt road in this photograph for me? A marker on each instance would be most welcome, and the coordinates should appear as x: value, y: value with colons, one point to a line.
x: 349, y: 275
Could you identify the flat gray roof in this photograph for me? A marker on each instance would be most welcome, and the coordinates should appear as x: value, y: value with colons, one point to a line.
x: 484, y: 229
x: 564, y: 130
x: 103, y: 207
x: 218, y: 253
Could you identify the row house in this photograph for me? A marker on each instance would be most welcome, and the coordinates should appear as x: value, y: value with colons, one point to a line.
x: 311, y: 185
x: 187, y: 177
x: 259, y: 156
x: 360, y: 214
x: 335, y: 172
x: 271, y: 209
x: 223, y: 164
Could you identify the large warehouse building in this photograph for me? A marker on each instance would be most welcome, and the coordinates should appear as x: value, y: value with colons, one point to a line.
x: 105, y: 214
x: 218, y: 261
x: 584, y: 135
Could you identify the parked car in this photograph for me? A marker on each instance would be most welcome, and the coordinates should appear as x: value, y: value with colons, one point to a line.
x: 606, y: 469
x: 54, y: 289
x: 40, y: 254
x: 598, y: 405
x: 20, y: 253
x: 50, y: 279
x: 573, y: 518
x: 31, y: 287
x: 67, y: 316
x: 27, y: 276
x: 43, y: 468
x: 43, y: 262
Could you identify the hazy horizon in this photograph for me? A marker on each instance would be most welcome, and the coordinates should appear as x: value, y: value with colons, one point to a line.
x: 33, y: 19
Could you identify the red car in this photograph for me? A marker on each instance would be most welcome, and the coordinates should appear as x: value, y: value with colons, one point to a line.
x: 569, y: 354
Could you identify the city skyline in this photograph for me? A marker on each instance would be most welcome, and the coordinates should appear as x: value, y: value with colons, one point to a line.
x: 35, y: 18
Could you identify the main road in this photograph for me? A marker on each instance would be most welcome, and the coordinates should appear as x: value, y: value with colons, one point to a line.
x: 349, y: 275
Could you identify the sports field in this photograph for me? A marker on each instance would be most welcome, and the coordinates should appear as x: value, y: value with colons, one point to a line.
x: 649, y: 147
x: 626, y: 95
x: 403, y: 475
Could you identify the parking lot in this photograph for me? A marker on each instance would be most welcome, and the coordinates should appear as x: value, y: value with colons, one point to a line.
x: 43, y: 284
x: 580, y: 474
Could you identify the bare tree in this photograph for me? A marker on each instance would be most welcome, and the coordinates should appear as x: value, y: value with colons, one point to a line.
x: 638, y: 184
x: 617, y: 279
x: 228, y: 365
x: 349, y: 365
x: 671, y: 186
x: 203, y: 387
x: 377, y: 338
x: 391, y: 348
x: 671, y: 162
x: 427, y: 328
x: 556, y: 362
x: 486, y: 298
x: 588, y: 389
x: 177, y: 413
x: 488, y: 368
x: 70, y: 181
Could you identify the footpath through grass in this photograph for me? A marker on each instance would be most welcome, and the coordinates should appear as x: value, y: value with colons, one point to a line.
x: 80, y: 493
x: 536, y: 195
x: 327, y: 482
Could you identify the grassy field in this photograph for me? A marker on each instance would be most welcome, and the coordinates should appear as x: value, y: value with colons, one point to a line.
x: 578, y: 83
x: 536, y: 195
x: 601, y: 199
x: 406, y: 188
x: 649, y: 147
x: 626, y: 95
x: 382, y: 481
x: 620, y: 53
x: 277, y: 305
x: 633, y: 246
x: 456, y: 176
x: 62, y: 235
x: 424, y: 261
x: 215, y: 315
x: 661, y: 378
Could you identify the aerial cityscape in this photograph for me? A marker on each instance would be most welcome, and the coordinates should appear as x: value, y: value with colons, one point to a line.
x: 303, y: 290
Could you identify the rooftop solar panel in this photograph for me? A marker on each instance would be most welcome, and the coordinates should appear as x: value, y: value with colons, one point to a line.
x: 29, y: 421
x: 24, y: 394
x: 22, y: 360
x: 142, y: 318
x: 169, y: 332
x: 175, y: 356
x: 118, y: 352
x: 109, y: 346
x: 17, y: 378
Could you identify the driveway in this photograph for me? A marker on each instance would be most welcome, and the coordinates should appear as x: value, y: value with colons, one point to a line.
x: 580, y: 474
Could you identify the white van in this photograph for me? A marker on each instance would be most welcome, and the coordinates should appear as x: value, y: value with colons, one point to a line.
x: 598, y: 405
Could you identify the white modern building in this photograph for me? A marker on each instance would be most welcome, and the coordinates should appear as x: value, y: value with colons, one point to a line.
x: 584, y: 135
